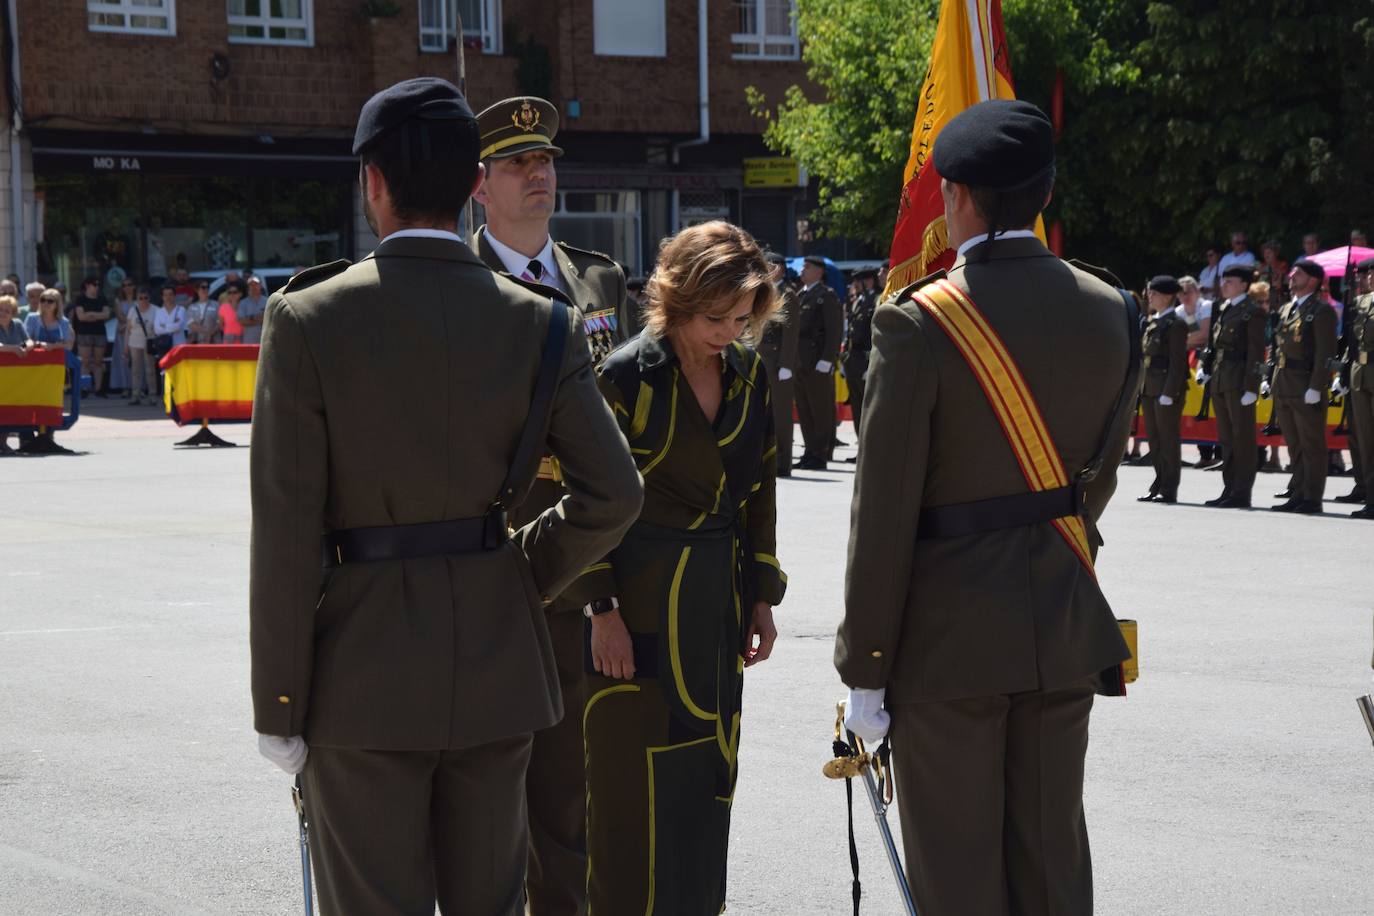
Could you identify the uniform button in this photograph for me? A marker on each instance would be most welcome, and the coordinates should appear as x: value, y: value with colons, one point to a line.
x: 877, y: 653
x: 283, y: 699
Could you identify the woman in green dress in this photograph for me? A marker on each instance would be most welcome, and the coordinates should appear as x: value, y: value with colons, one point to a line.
x: 685, y: 604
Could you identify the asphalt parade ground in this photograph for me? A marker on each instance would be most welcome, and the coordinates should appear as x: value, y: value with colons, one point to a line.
x: 1236, y: 777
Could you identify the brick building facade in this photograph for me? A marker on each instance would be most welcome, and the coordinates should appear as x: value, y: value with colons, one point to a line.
x: 212, y: 134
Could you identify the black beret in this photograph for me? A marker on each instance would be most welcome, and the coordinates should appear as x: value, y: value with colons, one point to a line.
x: 1366, y: 264
x: 815, y: 260
x: 1000, y: 145
x: 518, y: 125
x: 773, y: 257
x: 1310, y: 267
x: 1239, y: 272
x: 634, y: 283
x: 1165, y: 284
x: 865, y: 272
x: 426, y: 98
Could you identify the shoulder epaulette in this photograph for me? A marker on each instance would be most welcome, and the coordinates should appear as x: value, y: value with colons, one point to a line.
x: 1101, y: 273
x: 573, y: 249
x: 312, y: 275
x: 928, y: 278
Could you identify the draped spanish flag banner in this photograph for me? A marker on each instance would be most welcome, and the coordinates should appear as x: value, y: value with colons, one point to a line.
x: 210, y: 382
x: 31, y: 388
x: 968, y: 65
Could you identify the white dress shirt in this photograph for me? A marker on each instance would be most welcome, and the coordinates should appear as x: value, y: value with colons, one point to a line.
x: 518, y: 264
x: 982, y: 237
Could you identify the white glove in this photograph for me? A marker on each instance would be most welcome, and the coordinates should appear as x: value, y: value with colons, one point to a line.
x: 1338, y: 388
x: 287, y: 753
x: 1264, y: 389
x: 784, y: 374
x: 1165, y: 401
x: 864, y: 714
x: 1248, y: 398
x: 1311, y: 396
x: 1202, y: 377
x: 822, y: 366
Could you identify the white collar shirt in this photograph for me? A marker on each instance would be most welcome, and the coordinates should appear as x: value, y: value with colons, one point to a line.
x: 518, y: 264
x: 425, y: 234
x: 982, y: 237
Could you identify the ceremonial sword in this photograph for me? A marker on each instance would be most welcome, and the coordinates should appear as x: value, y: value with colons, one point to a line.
x: 851, y: 759
x: 299, y: 804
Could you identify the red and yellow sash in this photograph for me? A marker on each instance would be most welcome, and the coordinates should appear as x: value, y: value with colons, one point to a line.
x: 1010, y: 397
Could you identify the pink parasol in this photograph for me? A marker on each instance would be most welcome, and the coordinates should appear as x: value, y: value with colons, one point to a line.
x: 1335, y: 260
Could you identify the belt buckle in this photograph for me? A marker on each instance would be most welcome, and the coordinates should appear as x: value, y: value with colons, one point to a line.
x: 1364, y: 358
x: 1283, y: 360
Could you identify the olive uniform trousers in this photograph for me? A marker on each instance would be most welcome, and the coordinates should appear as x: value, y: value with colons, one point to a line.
x: 1304, y: 432
x: 1009, y: 771
x: 1362, y: 422
x: 782, y: 421
x: 1239, y: 448
x: 401, y: 812
x: 1161, y: 425
x: 816, y: 411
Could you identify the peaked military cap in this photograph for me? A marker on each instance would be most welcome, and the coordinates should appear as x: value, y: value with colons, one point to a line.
x: 862, y: 272
x: 1365, y: 265
x: 1239, y: 272
x: 425, y: 98
x: 814, y: 260
x: 518, y: 125
x: 1165, y: 284
x: 1001, y: 145
x: 1310, y: 267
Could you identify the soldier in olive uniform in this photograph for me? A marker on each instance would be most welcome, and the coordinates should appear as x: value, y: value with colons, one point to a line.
x: 987, y: 645
x: 1165, y: 343
x: 820, y: 327
x: 859, y: 341
x: 518, y: 196
x: 1364, y: 274
x: 416, y: 663
x: 778, y: 350
x: 1236, y: 356
x: 1304, y: 347
x: 1359, y: 357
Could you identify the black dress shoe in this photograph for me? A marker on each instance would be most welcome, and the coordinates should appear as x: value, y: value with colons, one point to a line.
x: 784, y: 472
x: 1168, y: 500
x: 809, y: 464
x: 1354, y: 496
x: 1366, y: 512
x: 1309, y: 507
x: 852, y: 459
x: 1234, y: 502
x: 1290, y: 506
x: 1214, y: 465
x: 1286, y: 494
x: 840, y: 443
x: 1219, y: 501
x: 1150, y: 497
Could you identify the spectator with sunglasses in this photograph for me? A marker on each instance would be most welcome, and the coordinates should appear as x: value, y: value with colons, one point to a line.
x: 143, y: 375
x: 203, y: 317
x: 48, y: 327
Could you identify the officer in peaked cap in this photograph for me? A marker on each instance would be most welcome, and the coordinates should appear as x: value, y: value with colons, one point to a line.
x: 401, y: 662
x: 1357, y: 384
x: 981, y: 646
x: 820, y: 331
x: 858, y: 341
x: 518, y: 149
x: 778, y: 350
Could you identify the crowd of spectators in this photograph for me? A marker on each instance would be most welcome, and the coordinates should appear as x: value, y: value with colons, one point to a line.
x: 121, y: 337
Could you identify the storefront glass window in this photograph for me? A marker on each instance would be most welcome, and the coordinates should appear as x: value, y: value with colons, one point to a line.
x: 605, y: 221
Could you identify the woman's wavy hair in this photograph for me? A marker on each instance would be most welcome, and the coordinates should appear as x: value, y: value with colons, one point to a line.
x: 708, y: 269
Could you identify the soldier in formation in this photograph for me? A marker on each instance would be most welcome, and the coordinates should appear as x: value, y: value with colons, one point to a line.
x: 1358, y: 367
x: 778, y: 349
x: 858, y: 341
x: 1165, y: 344
x: 820, y: 326
x: 1234, y: 364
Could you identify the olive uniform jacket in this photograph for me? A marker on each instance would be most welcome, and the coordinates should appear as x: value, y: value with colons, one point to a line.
x: 1165, y: 344
x: 778, y: 346
x: 1304, y: 345
x: 1002, y: 611
x: 1237, y: 343
x: 820, y: 326
x: 360, y: 422
x: 596, y: 286
x: 859, y: 336
x: 1360, y: 325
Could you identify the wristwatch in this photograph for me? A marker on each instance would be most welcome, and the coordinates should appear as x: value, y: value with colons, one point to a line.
x: 600, y: 606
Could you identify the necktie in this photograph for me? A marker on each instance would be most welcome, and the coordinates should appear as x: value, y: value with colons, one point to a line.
x: 534, y: 271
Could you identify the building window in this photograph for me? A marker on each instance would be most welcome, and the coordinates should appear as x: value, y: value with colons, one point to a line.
x: 137, y: 17
x: 767, y: 30
x: 481, y: 24
x: 278, y: 22
x: 600, y: 221
x: 629, y: 28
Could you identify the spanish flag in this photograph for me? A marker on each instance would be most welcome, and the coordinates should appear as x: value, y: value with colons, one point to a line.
x: 968, y: 65
x: 210, y: 382
x: 31, y: 388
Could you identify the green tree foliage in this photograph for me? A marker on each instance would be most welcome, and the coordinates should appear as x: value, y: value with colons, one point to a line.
x: 1183, y: 120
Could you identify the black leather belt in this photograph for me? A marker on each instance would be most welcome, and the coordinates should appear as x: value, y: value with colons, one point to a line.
x: 959, y: 519
x: 412, y: 542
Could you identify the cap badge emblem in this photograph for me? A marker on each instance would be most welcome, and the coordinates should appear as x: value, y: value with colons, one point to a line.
x: 527, y: 119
